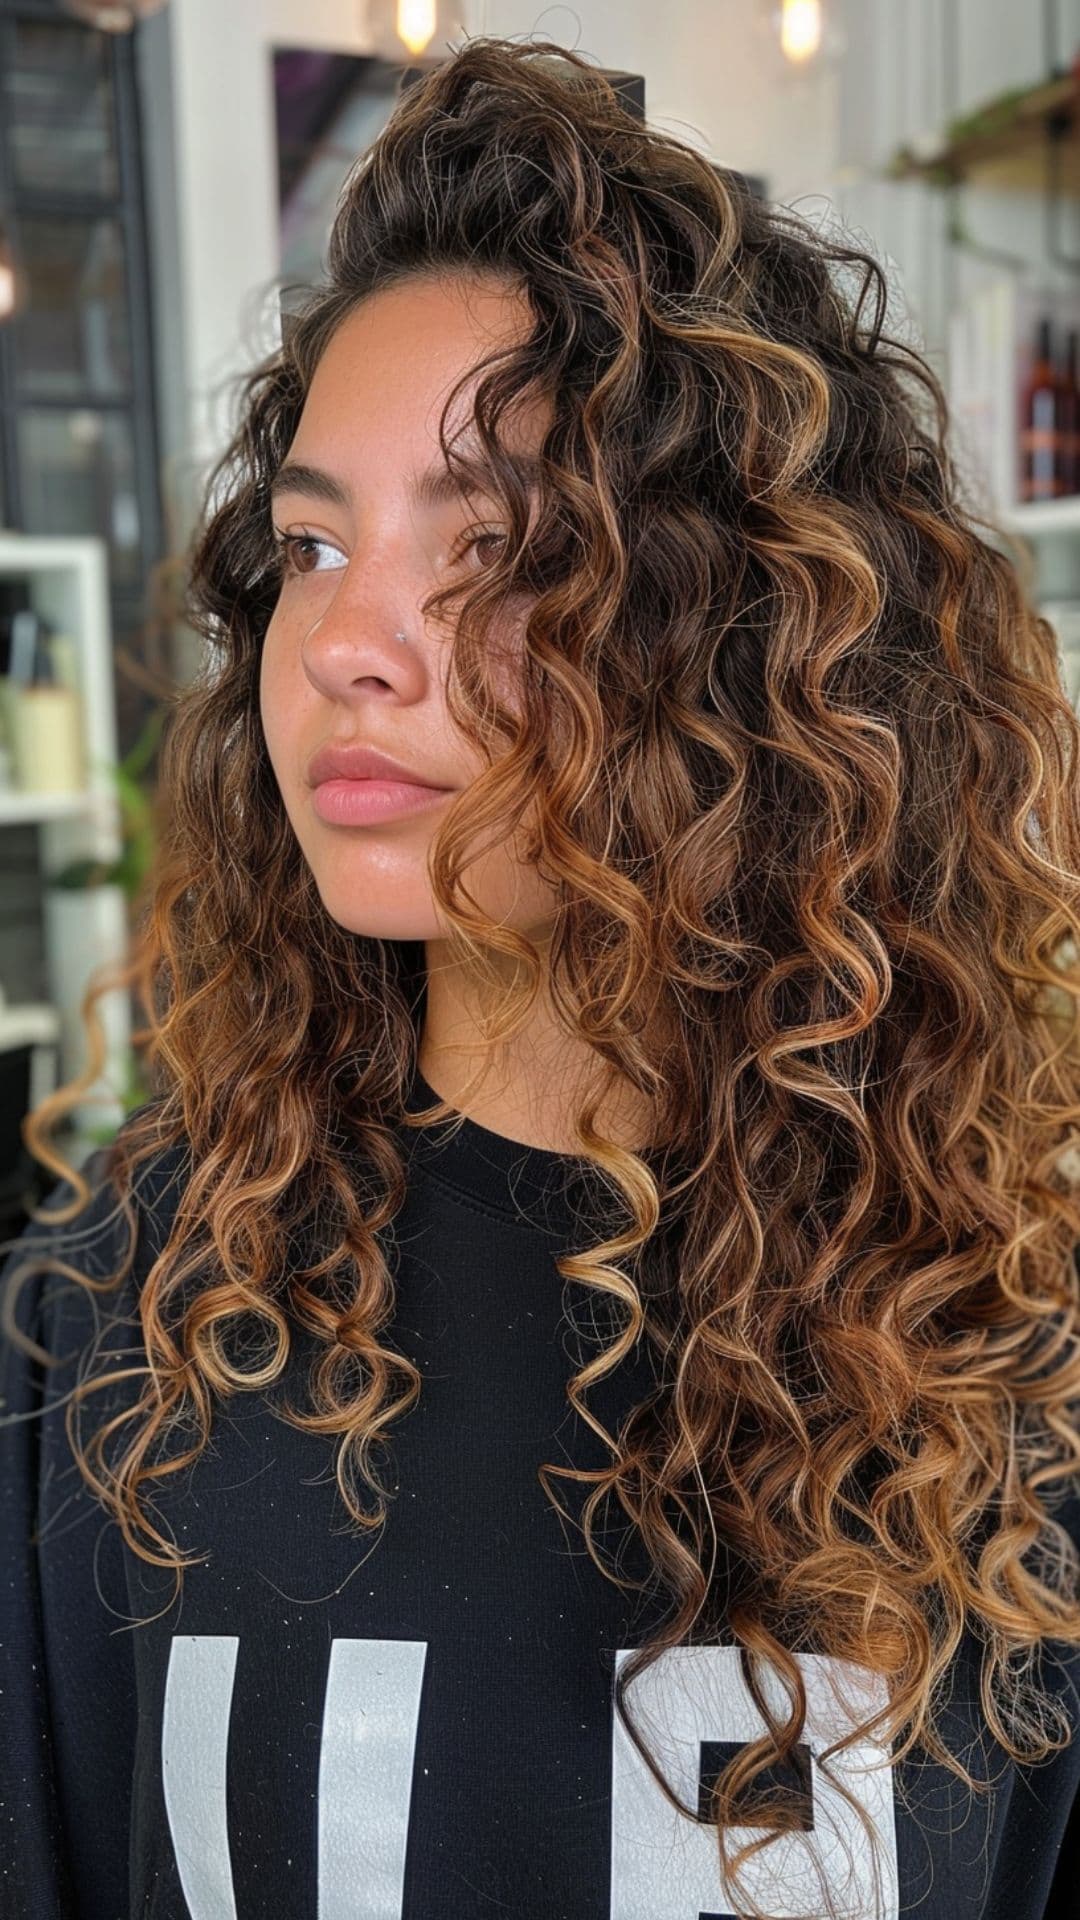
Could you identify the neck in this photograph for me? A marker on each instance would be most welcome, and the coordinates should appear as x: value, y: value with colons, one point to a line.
x: 533, y: 1082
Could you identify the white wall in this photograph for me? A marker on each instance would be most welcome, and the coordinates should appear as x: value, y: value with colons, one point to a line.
x: 207, y: 93
x: 901, y: 79
x: 713, y: 77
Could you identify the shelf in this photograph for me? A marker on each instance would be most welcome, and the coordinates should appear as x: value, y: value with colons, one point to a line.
x: 85, y: 929
x: 1004, y: 144
x: 1039, y: 519
x: 18, y: 809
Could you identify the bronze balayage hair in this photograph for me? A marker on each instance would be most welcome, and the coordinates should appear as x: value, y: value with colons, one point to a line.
x: 801, y: 768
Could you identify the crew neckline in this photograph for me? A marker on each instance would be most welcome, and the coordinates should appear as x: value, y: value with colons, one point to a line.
x: 501, y: 1175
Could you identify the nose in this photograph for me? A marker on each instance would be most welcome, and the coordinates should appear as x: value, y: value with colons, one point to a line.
x: 344, y: 652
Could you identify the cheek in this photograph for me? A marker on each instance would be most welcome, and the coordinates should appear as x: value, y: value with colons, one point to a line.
x: 267, y: 703
x: 280, y: 735
x: 505, y: 657
x: 277, y: 690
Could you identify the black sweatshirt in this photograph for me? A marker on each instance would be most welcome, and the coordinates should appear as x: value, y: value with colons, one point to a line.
x: 420, y: 1728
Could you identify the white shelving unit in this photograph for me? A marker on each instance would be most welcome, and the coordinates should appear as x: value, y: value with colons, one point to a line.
x: 68, y: 585
x: 1045, y: 519
x: 1051, y: 529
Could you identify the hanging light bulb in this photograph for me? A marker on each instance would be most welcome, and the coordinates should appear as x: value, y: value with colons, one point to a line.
x: 113, y: 16
x: 411, y: 30
x: 800, y: 29
x: 415, y: 24
x: 11, y: 285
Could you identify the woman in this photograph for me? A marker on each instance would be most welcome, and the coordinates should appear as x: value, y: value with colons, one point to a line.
x: 580, y: 1349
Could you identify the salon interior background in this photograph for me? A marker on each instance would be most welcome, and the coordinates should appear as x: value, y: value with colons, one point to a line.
x: 168, y: 167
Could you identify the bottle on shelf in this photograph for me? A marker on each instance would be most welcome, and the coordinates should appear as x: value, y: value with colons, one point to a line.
x: 45, y: 715
x: 1040, y: 408
x: 1069, y: 415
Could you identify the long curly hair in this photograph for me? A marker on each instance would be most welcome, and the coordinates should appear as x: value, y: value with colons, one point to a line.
x: 795, y: 754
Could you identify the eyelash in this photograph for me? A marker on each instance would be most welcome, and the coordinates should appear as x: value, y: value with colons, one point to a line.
x: 474, y: 537
x: 286, y: 542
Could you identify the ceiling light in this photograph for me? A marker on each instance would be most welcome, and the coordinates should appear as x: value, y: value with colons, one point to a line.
x: 9, y: 282
x: 800, y: 29
x: 405, y: 31
x: 415, y: 24
x: 112, y: 16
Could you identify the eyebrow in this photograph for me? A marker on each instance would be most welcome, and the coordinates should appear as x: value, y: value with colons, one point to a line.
x: 433, y: 488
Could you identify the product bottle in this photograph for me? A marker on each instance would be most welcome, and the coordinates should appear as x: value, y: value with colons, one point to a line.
x: 1070, y: 416
x: 1039, y: 422
x: 46, y: 730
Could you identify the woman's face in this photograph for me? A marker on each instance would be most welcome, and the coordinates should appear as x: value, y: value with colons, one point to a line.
x: 366, y: 549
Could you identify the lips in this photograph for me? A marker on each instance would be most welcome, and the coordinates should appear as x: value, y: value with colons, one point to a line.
x: 358, y: 762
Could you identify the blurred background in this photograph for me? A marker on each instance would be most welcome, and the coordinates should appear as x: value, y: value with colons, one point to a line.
x: 168, y: 174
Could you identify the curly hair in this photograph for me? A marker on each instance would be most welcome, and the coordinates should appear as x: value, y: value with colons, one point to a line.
x: 803, y: 772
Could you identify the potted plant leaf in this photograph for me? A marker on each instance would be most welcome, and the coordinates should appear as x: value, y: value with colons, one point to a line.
x: 84, y: 900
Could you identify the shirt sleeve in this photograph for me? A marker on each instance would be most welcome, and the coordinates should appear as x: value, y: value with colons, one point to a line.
x: 68, y: 1702
x: 1061, y: 1904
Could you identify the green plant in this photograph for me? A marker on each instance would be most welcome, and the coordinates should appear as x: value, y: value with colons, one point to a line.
x: 128, y: 870
x: 996, y: 115
x: 137, y: 829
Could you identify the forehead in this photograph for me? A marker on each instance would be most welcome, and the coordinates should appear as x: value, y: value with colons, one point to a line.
x: 387, y: 372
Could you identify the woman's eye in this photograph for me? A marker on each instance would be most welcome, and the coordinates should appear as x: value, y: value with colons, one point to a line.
x: 479, y: 537
x: 292, y: 551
